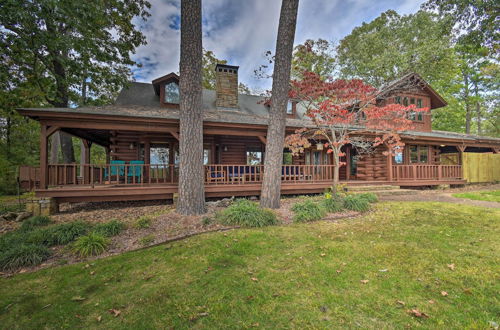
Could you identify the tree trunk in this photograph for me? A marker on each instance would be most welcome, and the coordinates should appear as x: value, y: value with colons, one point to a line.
x: 336, y: 170
x: 191, y: 178
x: 271, y: 184
x: 55, y: 142
x: 478, y: 108
x: 467, y: 104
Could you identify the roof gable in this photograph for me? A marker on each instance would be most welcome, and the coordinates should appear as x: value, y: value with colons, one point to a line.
x: 171, y: 77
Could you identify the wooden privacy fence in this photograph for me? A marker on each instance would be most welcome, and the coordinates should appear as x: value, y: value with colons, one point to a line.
x: 481, y: 167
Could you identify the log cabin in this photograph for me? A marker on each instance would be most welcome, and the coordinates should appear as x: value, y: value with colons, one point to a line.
x: 140, y: 133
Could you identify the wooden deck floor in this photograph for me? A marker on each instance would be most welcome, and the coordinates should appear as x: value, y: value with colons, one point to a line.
x: 82, y: 193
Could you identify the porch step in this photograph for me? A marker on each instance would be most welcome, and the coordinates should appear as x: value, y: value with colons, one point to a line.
x: 393, y: 192
x: 371, y: 188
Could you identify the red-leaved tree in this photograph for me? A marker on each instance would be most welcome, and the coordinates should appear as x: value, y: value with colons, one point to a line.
x: 348, y: 112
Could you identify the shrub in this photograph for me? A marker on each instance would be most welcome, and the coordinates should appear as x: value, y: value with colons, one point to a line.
x: 10, y: 239
x: 206, y: 221
x: 248, y: 214
x: 143, y: 222
x: 108, y: 229
x: 356, y: 203
x: 67, y: 232
x: 369, y: 197
x: 146, y: 240
x: 307, y: 211
x: 90, y: 245
x: 36, y: 221
x: 333, y: 203
x: 23, y: 255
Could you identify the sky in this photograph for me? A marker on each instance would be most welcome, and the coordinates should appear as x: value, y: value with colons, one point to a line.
x: 241, y: 31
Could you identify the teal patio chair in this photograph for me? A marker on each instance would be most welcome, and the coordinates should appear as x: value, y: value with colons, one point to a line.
x: 116, y: 168
x: 135, y: 171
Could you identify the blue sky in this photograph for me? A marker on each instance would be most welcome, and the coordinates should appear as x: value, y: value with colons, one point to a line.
x: 240, y: 31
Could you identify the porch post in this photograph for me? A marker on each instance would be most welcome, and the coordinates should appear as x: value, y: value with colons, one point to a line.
x: 86, y: 160
x: 108, y: 156
x: 44, y: 160
x: 348, y: 163
x: 389, y: 165
x: 147, y: 159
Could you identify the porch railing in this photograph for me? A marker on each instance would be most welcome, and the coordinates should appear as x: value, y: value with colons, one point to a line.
x: 426, y: 172
x: 141, y: 174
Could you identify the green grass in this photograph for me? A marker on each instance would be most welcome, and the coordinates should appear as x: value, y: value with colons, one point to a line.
x: 304, y: 276
x: 357, y: 203
x: 109, y: 229
x: 490, y: 196
x: 143, y: 222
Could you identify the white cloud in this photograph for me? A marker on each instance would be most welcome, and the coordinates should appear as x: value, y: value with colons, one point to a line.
x: 241, y: 31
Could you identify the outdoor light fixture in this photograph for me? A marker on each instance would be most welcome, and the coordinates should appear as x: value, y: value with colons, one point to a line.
x: 225, y: 148
x: 443, y: 145
x: 131, y: 146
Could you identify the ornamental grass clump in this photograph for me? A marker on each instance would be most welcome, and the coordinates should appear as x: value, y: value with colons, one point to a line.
x: 109, y: 229
x: 369, y: 197
x: 247, y: 214
x: 68, y: 232
x: 23, y: 255
x: 35, y: 221
x: 332, y: 203
x: 307, y: 210
x: 143, y: 222
x: 356, y: 203
x: 90, y: 245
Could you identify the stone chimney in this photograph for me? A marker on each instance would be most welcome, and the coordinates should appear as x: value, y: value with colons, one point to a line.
x: 226, y: 86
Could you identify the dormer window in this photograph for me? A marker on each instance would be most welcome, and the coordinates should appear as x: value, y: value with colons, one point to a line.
x: 172, y: 93
x: 289, y: 107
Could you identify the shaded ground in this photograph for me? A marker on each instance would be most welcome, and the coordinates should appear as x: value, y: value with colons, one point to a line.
x: 446, y: 196
x: 406, y: 265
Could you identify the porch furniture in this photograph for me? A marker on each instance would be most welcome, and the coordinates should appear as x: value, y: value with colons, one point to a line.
x: 215, y: 174
x: 116, y: 169
x: 135, y: 171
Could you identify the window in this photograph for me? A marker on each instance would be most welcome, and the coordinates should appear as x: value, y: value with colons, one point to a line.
x: 419, y: 103
x: 412, y: 115
x: 207, y: 155
x: 289, y: 108
x: 172, y: 93
x: 159, y: 155
x: 398, y: 157
x: 405, y: 101
x: 412, y: 101
x: 419, y: 154
x: 255, y: 156
x: 420, y: 115
x: 397, y: 100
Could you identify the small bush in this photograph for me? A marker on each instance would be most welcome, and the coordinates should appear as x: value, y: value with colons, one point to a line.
x: 90, y: 245
x: 23, y: 255
x: 36, y: 221
x: 147, y: 240
x: 143, y: 222
x: 248, y: 214
x: 333, y: 203
x: 10, y: 239
x: 307, y: 211
x: 369, y: 197
x: 108, y: 229
x: 356, y: 203
x: 67, y: 232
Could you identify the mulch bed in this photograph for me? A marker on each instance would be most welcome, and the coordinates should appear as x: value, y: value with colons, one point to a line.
x: 166, y: 225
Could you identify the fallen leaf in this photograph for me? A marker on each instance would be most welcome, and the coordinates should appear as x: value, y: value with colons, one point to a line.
x: 114, y: 312
x: 92, y: 272
x: 431, y: 301
x: 415, y: 312
x: 255, y: 279
x: 324, y: 309
x: 77, y: 298
x: 339, y: 271
x: 444, y: 293
x: 451, y: 266
x: 255, y: 325
x: 382, y: 270
x: 400, y: 302
x: 468, y: 291
x: 99, y: 318
x: 250, y: 298
x: 323, y: 254
x: 364, y: 281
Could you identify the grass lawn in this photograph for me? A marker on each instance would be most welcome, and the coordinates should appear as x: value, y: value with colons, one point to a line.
x: 490, y: 196
x: 297, y: 276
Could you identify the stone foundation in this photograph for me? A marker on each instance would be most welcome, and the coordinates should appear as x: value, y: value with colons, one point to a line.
x: 42, y: 206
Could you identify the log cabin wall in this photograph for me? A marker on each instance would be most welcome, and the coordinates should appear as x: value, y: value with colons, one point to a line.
x: 373, y: 167
x: 236, y: 148
x: 120, y: 145
x: 424, y: 125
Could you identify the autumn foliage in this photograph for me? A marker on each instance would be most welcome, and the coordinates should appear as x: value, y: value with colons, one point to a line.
x: 348, y: 112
